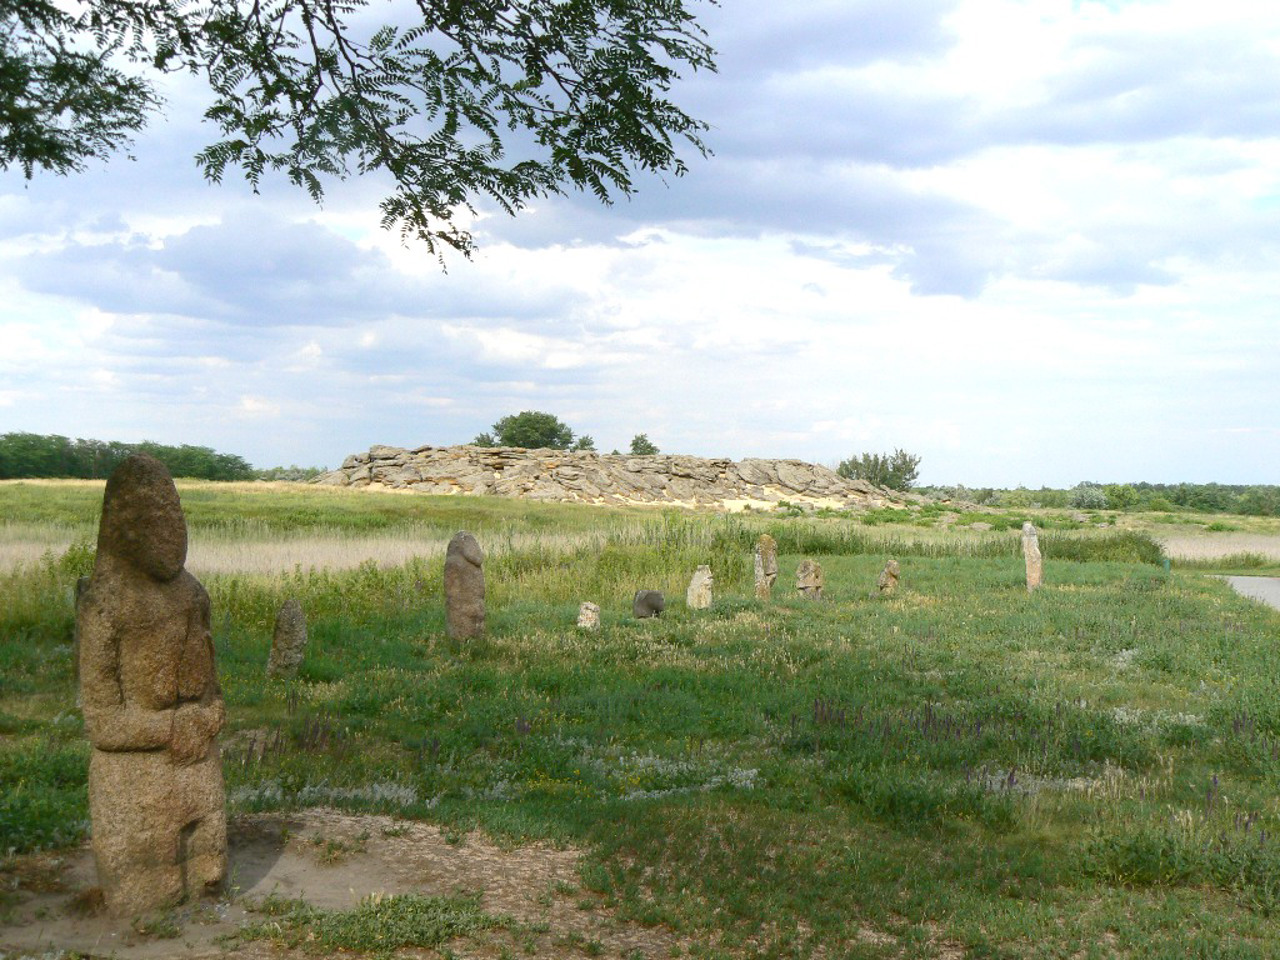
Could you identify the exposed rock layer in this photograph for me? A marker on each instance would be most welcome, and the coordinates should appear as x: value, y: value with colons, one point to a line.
x: 583, y: 477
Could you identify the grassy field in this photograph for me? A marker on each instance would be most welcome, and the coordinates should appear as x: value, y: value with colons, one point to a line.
x: 961, y: 770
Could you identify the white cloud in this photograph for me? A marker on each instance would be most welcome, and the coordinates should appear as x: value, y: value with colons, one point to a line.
x: 258, y: 407
x: 1030, y: 242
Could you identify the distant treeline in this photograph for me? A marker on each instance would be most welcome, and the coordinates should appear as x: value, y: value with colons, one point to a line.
x: 1258, y: 500
x: 31, y: 455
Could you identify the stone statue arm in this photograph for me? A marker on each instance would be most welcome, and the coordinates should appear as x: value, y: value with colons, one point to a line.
x: 110, y: 723
x: 197, y: 722
x: 194, y: 727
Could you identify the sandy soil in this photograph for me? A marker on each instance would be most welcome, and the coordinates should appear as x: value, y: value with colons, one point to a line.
x: 331, y: 860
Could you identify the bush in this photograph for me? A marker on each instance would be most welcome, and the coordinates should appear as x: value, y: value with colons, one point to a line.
x: 642, y: 446
x: 895, y: 471
x: 1120, y: 496
x: 1087, y: 496
x: 531, y: 429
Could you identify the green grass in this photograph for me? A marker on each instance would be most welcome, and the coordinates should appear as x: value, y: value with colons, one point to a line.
x: 1242, y: 564
x: 1087, y: 771
x: 378, y: 927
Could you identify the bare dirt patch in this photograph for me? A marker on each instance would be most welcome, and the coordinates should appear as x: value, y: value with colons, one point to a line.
x: 332, y: 861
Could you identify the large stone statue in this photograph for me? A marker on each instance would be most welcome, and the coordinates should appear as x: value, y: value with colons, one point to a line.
x: 152, y: 706
x: 766, y: 564
x: 1031, y: 554
x: 464, y: 587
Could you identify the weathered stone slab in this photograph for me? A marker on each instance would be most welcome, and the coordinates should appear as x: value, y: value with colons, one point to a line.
x: 1031, y: 554
x: 766, y: 566
x: 588, y: 616
x: 698, y: 596
x: 888, y: 582
x: 464, y: 587
x: 809, y: 579
x: 289, y: 640
x: 648, y: 603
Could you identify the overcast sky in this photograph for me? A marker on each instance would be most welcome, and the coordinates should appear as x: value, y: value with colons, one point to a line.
x: 1032, y: 242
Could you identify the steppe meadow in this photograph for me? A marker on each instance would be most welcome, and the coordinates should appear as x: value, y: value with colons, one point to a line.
x: 963, y: 769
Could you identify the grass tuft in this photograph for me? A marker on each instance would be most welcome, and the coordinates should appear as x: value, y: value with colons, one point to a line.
x: 379, y: 926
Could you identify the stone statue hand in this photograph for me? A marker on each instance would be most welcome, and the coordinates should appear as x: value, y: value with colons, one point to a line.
x: 191, y: 735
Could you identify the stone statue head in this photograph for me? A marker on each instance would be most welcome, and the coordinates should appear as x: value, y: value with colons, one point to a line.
x: 142, y: 522
x: 466, y: 546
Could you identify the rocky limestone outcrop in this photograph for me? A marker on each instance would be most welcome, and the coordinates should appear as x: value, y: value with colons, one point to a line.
x: 586, y: 477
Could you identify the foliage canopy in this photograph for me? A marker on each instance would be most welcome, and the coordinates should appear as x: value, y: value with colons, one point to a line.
x: 578, y: 89
x: 533, y: 429
x: 642, y: 446
x: 895, y: 471
x: 33, y: 455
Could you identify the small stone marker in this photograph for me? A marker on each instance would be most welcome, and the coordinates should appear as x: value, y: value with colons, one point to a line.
x: 698, y: 596
x: 464, y: 587
x: 588, y: 616
x: 1031, y: 553
x: 809, y: 579
x: 152, y: 706
x: 289, y: 642
x: 888, y: 582
x: 648, y: 603
x: 766, y: 566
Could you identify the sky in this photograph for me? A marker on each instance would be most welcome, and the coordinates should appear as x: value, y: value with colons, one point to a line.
x: 1033, y: 243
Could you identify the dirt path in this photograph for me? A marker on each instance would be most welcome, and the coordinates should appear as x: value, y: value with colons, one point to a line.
x: 333, y: 861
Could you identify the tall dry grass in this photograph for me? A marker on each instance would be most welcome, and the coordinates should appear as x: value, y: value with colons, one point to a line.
x: 1215, y: 546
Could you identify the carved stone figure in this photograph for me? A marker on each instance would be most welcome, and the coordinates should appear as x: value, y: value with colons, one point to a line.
x: 152, y: 705
x: 588, y: 616
x: 809, y: 580
x: 289, y: 642
x: 766, y: 566
x: 698, y: 596
x: 1031, y: 553
x: 648, y: 603
x: 888, y: 582
x: 464, y: 587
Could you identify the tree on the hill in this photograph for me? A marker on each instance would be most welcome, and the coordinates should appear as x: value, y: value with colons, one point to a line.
x: 584, y: 442
x: 642, y: 446
x: 312, y: 89
x: 895, y: 471
x: 530, y: 428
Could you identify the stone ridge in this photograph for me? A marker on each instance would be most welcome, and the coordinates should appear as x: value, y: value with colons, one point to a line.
x: 588, y: 477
